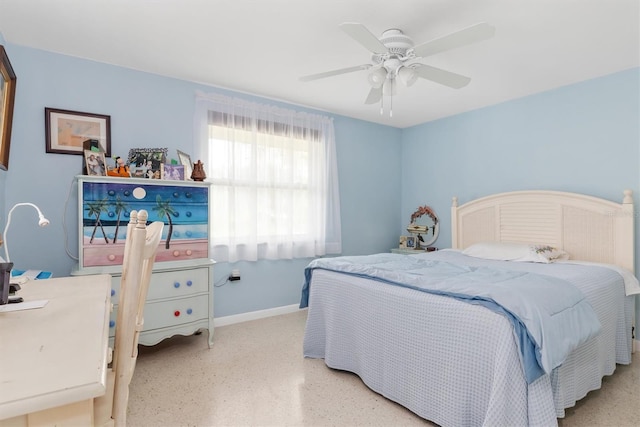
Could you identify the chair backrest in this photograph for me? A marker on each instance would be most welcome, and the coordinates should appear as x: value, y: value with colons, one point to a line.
x: 141, y: 245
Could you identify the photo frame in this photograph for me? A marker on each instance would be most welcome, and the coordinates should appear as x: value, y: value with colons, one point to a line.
x: 185, y: 160
x: 7, y: 99
x: 96, y: 163
x: 411, y: 242
x: 173, y: 172
x: 402, y: 243
x: 66, y: 131
x: 147, y: 162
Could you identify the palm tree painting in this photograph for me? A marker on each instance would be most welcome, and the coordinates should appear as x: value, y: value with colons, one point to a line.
x: 164, y: 208
x: 120, y: 206
x: 95, y: 209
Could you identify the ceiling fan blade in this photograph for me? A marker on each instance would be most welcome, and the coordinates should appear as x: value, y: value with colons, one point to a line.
x: 334, y: 72
x: 362, y: 35
x: 374, y: 95
x: 443, y: 77
x: 472, y: 34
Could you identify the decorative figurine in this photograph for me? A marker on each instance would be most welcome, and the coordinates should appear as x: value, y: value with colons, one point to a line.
x: 198, y: 171
x: 121, y: 169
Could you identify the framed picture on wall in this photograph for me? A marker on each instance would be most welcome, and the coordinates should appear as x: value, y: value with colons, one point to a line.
x: 66, y: 131
x: 7, y: 98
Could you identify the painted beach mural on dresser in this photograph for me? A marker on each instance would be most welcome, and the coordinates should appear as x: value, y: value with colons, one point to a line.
x: 106, y: 204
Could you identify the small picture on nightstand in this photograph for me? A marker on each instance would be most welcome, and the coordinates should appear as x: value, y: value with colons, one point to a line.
x: 411, y: 242
x: 403, y: 242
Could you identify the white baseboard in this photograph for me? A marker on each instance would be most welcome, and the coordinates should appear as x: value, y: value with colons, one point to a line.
x: 255, y: 315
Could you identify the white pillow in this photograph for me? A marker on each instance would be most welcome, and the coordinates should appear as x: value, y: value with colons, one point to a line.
x: 516, y: 252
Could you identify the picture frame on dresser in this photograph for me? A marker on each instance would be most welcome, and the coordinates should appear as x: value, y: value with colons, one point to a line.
x: 185, y: 160
x: 180, y: 298
x: 147, y: 162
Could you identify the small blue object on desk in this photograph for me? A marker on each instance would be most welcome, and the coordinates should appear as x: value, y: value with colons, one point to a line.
x: 31, y: 274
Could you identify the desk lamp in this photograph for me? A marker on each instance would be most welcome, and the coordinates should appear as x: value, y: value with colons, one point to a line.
x: 42, y: 222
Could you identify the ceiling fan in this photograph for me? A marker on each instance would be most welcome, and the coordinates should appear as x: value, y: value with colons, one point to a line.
x: 394, y: 56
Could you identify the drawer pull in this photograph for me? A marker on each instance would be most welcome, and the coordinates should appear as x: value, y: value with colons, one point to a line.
x: 112, y: 323
x: 176, y: 285
x: 113, y: 292
x: 189, y: 283
x: 111, y: 257
x: 176, y: 313
x: 189, y: 311
x: 176, y: 253
x: 189, y: 252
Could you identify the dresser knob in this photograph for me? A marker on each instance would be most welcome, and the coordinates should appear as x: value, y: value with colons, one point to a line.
x: 189, y: 283
x: 176, y: 253
x: 113, y: 292
x: 188, y: 252
x: 112, y: 323
x: 176, y: 313
x: 111, y: 257
x: 189, y: 311
x: 176, y: 285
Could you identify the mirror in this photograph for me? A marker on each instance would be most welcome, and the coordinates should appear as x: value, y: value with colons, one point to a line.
x: 425, y: 226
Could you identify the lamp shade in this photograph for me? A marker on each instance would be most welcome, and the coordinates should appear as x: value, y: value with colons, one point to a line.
x: 407, y: 76
x: 377, y: 77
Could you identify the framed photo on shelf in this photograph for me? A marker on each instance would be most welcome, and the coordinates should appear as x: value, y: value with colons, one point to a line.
x: 147, y: 162
x: 185, y: 160
x: 411, y: 242
x: 66, y: 131
x: 95, y: 162
x: 173, y: 172
x: 7, y: 98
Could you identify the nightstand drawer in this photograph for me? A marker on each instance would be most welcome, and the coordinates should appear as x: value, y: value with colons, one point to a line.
x: 170, y: 284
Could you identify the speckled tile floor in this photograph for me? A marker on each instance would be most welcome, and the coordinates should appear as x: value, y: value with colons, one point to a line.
x: 255, y: 375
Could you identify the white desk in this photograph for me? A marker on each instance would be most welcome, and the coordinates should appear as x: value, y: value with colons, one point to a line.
x: 55, y: 356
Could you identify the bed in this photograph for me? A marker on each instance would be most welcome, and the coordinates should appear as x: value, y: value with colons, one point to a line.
x: 456, y: 362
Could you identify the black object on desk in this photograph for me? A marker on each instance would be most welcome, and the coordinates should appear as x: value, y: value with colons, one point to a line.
x: 5, y: 277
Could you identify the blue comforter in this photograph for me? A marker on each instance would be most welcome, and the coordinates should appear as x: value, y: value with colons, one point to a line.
x: 550, y: 316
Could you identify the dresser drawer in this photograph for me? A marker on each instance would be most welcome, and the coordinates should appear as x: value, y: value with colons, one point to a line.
x: 170, y: 284
x: 175, y: 312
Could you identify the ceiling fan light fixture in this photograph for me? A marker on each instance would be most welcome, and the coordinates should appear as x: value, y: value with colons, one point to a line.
x: 407, y: 76
x: 377, y: 77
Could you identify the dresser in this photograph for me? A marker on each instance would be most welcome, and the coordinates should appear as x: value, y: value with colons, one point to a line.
x: 180, y: 298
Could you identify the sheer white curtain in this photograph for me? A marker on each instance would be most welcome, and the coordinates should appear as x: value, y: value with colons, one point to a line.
x: 275, y: 192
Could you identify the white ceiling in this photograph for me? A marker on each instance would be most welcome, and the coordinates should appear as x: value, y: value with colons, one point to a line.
x: 262, y: 47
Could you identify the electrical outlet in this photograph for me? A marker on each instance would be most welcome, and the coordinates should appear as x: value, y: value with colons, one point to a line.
x: 235, y: 275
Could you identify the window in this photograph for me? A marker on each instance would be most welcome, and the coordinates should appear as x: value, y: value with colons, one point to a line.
x: 275, y: 192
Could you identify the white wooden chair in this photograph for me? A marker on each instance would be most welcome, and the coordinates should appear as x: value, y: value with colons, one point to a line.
x: 140, y: 249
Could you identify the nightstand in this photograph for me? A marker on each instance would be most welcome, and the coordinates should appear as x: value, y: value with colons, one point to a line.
x: 407, y: 251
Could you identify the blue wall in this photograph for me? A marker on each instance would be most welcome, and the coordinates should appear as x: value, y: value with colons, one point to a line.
x: 152, y: 111
x: 581, y: 138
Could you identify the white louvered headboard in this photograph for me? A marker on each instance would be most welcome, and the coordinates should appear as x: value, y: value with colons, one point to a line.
x: 588, y: 228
